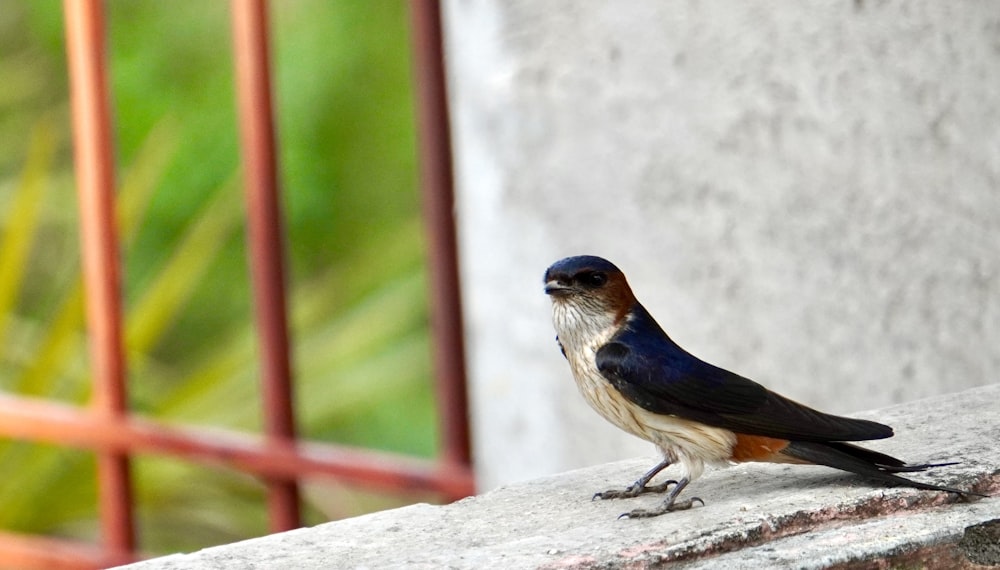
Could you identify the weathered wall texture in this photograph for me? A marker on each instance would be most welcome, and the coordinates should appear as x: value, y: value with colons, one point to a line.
x: 807, y: 193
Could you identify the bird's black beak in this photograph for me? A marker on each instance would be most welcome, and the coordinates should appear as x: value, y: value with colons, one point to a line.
x: 556, y: 288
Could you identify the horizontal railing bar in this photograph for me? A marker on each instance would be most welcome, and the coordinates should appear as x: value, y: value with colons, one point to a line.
x: 34, y: 419
x: 35, y: 552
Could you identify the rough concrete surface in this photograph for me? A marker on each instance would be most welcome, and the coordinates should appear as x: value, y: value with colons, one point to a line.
x: 755, y: 516
x: 802, y: 191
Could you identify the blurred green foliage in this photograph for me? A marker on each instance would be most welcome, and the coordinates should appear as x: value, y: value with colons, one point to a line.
x: 356, y: 252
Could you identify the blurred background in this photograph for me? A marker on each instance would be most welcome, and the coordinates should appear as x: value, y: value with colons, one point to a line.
x: 354, y: 241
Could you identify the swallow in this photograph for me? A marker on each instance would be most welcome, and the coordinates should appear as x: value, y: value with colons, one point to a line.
x: 632, y: 374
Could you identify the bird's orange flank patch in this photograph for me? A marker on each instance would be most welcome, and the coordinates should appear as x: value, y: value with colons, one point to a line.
x: 757, y: 448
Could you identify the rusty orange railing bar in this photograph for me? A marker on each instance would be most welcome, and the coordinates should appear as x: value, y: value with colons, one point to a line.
x: 260, y: 178
x: 20, y: 551
x: 41, y: 420
x: 95, y: 181
x: 437, y: 186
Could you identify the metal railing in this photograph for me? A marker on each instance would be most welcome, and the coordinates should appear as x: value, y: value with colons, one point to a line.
x: 277, y: 457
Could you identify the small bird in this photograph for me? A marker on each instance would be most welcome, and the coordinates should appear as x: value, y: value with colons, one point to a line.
x: 695, y: 413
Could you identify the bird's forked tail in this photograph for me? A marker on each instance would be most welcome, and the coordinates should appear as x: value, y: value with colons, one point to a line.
x: 865, y: 462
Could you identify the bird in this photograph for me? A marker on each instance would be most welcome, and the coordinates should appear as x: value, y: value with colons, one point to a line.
x: 636, y: 377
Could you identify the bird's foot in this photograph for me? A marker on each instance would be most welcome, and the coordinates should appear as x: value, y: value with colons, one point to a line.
x: 665, y: 507
x: 633, y: 490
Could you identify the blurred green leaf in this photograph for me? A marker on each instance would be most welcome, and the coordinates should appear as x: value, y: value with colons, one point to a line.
x: 173, y: 286
x: 20, y: 224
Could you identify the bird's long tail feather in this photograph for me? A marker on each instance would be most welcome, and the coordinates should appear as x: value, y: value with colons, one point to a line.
x: 865, y: 462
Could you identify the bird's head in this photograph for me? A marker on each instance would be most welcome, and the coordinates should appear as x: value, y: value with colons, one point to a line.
x: 587, y: 292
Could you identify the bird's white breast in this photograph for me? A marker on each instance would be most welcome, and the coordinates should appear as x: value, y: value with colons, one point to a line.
x: 689, y: 443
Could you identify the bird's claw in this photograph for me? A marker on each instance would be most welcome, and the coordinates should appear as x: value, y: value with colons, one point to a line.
x: 662, y: 509
x: 633, y: 491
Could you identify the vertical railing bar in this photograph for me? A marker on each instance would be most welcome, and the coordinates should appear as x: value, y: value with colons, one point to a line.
x: 253, y: 89
x: 93, y: 157
x: 437, y: 187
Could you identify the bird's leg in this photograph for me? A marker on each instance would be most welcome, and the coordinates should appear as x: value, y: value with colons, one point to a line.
x: 670, y: 504
x: 639, y: 487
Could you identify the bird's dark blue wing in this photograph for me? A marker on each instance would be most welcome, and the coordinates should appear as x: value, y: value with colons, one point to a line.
x: 653, y: 372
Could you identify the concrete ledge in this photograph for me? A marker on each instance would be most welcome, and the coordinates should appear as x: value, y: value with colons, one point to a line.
x: 755, y: 515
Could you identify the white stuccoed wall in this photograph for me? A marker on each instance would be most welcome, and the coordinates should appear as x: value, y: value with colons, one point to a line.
x: 807, y: 193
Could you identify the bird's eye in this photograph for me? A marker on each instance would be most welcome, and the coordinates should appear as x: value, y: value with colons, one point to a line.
x: 593, y: 278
